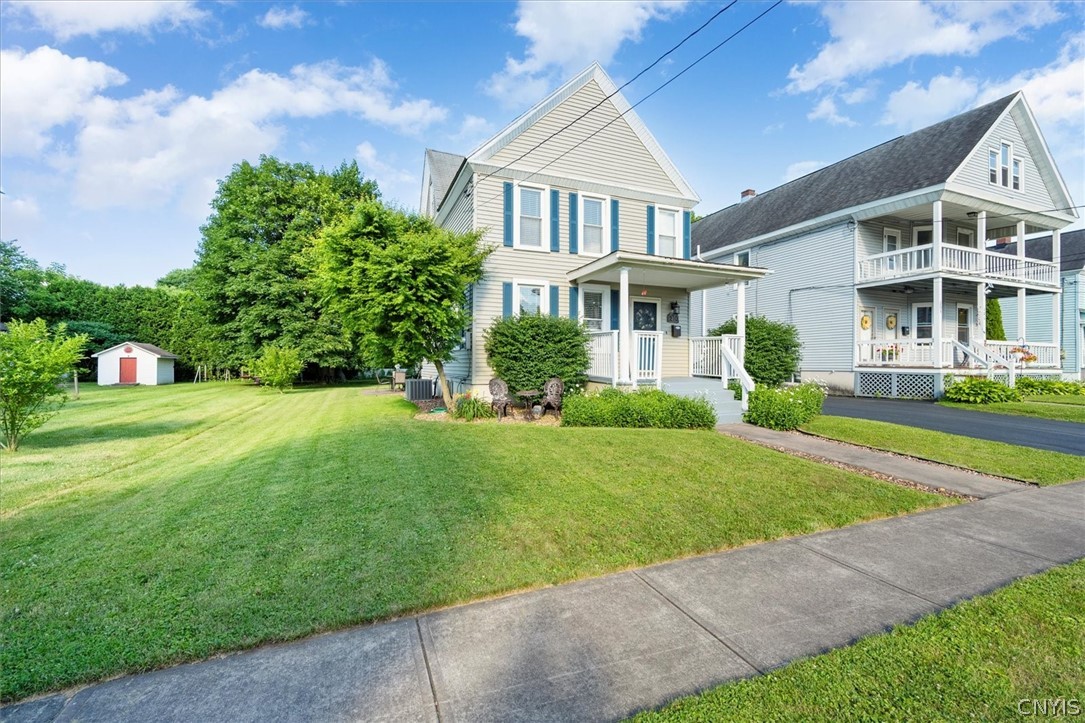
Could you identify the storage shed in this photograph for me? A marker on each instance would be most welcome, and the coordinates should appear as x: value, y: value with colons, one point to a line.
x: 134, y: 363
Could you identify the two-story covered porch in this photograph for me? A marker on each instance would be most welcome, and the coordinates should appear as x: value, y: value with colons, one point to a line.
x: 636, y: 308
x: 923, y: 276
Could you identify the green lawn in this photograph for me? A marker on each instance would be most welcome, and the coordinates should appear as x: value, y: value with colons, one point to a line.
x: 975, y: 661
x: 996, y: 458
x: 1066, y: 409
x: 1077, y: 399
x: 146, y: 526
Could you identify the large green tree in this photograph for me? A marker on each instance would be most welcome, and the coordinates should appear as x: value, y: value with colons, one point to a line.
x: 33, y: 362
x: 401, y: 283
x: 251, y: 264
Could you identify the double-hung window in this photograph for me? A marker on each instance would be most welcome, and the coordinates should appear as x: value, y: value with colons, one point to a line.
x: 531, y: 217
x: 530, y: 298
x: 1016, y: 180
x: 924, y: 321
x: 593, y: 222
x: 666, y: 233
x: 1005, y: 165
x: 1004, y: 168
x: 595, y: 307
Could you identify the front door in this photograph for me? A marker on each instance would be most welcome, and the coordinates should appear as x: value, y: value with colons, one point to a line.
x: 646, y: 347
x: 866, y: 334
x: 128, y: 370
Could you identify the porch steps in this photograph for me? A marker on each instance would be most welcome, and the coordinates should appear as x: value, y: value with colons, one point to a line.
x: 728, y: 409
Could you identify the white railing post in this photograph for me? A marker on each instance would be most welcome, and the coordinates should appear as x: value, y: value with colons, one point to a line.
x: 625, y: 340
x: 740, y: 319
x: 936, y: 235
x: 936, y: 321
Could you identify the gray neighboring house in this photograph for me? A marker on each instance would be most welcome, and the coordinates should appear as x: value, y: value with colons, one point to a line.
x: 882, y: 261
x: 1039, y: 327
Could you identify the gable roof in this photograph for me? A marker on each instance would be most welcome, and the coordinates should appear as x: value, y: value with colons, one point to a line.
x: 887, y: 170
x: 509, y: 133
x: 150, y: 348
x: 1071, y: 249
x: 442, y: 168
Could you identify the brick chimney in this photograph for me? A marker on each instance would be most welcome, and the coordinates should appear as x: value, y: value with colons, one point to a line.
x: 747, y: 195
x: 1004, y: 241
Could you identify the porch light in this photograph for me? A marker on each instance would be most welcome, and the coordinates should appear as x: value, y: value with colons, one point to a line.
x: 644, y: 292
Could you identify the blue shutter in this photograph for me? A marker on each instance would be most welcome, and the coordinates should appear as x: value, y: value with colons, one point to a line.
x: 651, y: 229
x: 506, y: 299
x: 574, y: 302
x: 553, y: 301
x: 614, y: 304
x: 508, y: 215
x: 555, y: 210
x: 574, y: 221
x: 685, y: 234
x: 613, y: 224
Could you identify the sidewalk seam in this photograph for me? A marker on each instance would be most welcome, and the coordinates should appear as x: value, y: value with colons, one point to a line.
x: 1005, y: 547
x: 741, y: 655
x: 870, y: 575
x: 429, y: 671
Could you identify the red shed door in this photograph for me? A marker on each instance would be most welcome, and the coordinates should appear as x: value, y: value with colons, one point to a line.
x: 128, y: 370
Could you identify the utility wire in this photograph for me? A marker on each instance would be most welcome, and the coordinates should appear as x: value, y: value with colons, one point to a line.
x: 670, y: 80
x: 583, y: 115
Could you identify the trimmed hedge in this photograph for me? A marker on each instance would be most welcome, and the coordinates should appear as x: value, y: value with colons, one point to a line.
x: 773, y: 349
x: 784, y: 409
x: 528, y: 350
x: 977, y: 390
x: 642, y: 408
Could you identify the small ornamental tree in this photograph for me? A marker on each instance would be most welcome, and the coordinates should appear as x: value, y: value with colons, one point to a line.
x: 529, y: 349
x: 278, y: 367
x: 773, y: 349
x: 400, y: 283
x: 995, y: 330
x: 33, y: 363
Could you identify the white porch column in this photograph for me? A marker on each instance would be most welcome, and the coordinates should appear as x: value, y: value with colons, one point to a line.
x: 1021, y: 327
x: 1056, y: 298
x: 981, y: 230
x: 981, y: 309
x: 625, y: 335
x: 936, y: 324
x: 936, y: 235
x: 740, y: 320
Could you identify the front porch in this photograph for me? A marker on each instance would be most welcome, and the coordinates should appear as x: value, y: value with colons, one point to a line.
x: 644, y: 299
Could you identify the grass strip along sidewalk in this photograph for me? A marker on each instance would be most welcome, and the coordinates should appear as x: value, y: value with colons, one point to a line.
x: 149, y: 526
x: 995, y: 458
x: 1040, y: 407
x: 984, y: 659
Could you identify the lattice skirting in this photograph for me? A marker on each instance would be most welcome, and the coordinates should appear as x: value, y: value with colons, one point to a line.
x: 899, y: 385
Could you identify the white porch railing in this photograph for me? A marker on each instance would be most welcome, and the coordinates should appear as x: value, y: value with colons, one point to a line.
x: 706, y: 354
x: 1047, y: 355
x: 647, y: 356
x: 603, y: 352
x: 899, y: 353
x: 958, y: 260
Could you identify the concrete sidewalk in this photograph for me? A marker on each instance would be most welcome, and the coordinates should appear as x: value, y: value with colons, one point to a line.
x: 604, y: 648
x: 935, y: 476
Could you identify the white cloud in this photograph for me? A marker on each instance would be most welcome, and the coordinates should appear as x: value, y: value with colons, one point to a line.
x: 149, y: 148
x: 472, y: 132
x: 913, y: 106
x: 396, y: 184
x: 871, y: 35
x: 67, y: 19
x: 278, y: 18
x: 567, y: 35
x: 800, y: 169
x: 43, y: 89
x: 826, y: 110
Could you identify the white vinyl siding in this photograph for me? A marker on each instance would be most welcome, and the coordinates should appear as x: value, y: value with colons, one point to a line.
x: 976, y: 172
x: 811, y: 286
x: 1038, y: 326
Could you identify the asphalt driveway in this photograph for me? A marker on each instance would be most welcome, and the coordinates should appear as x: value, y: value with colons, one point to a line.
x: 1051, y: 434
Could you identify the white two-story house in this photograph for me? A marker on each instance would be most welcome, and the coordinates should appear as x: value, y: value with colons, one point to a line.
x: 588, y: 219
x: 882, y: 260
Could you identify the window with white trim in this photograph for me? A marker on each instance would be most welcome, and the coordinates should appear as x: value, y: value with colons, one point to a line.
x: 1016, y: 176
x: 923, y: 235
x: 531, y: 296
x: 595, y: 307
x: 1004, y: 168
x: 667, y: 225
x: 966, y: 237
x: 742, y: 258
x: 992, y: 165
x: 593, y: 212
x: 890, y: 240
x: 532, y: 231
x: 924, y: 321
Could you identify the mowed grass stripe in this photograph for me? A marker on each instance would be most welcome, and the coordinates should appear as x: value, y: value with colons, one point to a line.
x: 330, y: 507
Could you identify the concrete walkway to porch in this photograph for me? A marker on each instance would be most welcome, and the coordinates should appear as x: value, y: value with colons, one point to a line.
x: 604, y: 648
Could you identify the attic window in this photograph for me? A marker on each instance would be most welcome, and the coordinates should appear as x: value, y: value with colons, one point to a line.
x: 1003, y: 168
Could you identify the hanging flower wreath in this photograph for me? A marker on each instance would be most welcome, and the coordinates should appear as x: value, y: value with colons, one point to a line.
x: 891, y: 322
x: 864, y: 322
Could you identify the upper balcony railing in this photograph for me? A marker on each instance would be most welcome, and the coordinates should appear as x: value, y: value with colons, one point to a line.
x: 958, y: 260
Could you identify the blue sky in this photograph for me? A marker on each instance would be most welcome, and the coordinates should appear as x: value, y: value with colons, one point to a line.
x: 117, y: 119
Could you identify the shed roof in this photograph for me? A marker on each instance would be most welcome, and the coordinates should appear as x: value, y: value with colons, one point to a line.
x: 149, y: 348
x: 922, y: 159
x: 1071, y: 249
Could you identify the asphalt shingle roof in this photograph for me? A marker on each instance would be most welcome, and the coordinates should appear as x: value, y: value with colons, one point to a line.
x: 918, y: 160
x: 1071, y: 249
x: 442, y: 169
